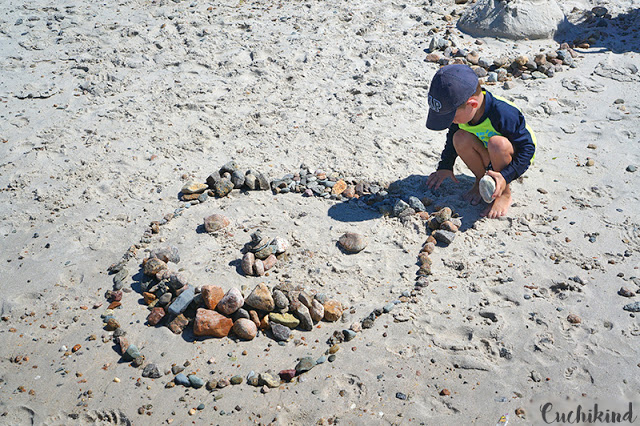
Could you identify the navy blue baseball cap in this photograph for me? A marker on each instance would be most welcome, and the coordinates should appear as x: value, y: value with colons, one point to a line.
x: 451, y: 87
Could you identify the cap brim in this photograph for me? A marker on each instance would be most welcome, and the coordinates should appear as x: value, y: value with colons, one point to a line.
x: 440, y: 121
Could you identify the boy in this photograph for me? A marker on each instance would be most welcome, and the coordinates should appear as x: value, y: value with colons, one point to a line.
x: 487, y: 132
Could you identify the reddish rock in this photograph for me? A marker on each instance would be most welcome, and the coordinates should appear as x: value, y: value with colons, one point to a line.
x: 211, y: 323
x: 258, y: 268
x: 254, y: 317
x: 248, y: 260
x: 270, y: 262
x: 178, y: 324
x: 151, y: 266
x: 428, y: 248
x: 302, y: 313
x: 332, y: 310
x: 287, y: 375
x: 245, y: 329
x: 211, y: 295
x: 423, y: 215
x: 574, y: 319
x: 349, y: 192
x: 445, y: 392
x: 231, y: 302
x: 123, y: 343
x: 116, y: 296
x: 215, y: 222
x: 317, y: 311
x: 155, y: 316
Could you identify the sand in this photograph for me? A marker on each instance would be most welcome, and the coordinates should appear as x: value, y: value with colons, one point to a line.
x: 107, y: 110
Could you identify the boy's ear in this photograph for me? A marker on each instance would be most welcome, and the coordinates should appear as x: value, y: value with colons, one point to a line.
x: 473, y: 102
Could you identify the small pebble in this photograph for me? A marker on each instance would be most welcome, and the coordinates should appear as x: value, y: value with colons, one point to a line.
x: 574, y: 319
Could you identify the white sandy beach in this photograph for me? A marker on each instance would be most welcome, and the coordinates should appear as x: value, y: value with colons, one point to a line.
x: 107, y: 110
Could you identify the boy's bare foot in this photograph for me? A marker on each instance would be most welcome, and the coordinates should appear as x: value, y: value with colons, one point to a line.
x: 473, y: 196
x: 500, y: 205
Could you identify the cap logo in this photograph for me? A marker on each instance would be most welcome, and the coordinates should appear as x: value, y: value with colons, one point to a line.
x: 434, y: 104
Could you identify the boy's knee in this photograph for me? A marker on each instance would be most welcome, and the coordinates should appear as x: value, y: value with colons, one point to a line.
x: 500, y: 144
x: 462, y: 138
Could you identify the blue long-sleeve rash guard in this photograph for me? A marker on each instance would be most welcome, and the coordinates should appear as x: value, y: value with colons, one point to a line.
x: 500, y: 118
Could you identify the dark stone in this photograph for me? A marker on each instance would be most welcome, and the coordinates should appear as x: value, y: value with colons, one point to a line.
x: 280, y: 332
x: 305, y: 364
x: 151, y: 371
x: 182, y: 379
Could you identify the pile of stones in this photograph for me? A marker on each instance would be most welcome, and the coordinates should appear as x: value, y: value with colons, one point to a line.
x: 222, y: 182
x: 263, y: 254
x: 444, y: 227
x: 491, y: 70
x: 215, y: 313
x: 322, y: 184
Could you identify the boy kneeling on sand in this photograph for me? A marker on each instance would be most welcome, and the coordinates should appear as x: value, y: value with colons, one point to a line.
x: 487, y: 132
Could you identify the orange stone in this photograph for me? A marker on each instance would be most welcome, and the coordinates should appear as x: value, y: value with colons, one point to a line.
x: 254, y: 317
x: 114, y: 305
x: 332, y: 310
x: 211, y: 295
x: 190, y: 197
x: 211, y: 323
x: 264, y: 323
x: 350, y: 191
x: 339, y: 187
x: 148, y: 297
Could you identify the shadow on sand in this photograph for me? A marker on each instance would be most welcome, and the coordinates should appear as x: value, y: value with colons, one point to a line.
x: 617, y: 34
x: 374, y: 206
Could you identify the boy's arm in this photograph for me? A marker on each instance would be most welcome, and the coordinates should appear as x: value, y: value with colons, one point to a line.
x: 514, y: 128
x: 445, y: 166
x: 449, y: 154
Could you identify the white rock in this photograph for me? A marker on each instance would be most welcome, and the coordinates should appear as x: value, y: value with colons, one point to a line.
x: 514, y: 19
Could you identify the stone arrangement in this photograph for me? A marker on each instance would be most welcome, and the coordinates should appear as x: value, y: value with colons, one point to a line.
x: 263, y: 254
x: 492, y: 70
x: 210, y: 311
x: 222, y: 182
x: 443, y: 226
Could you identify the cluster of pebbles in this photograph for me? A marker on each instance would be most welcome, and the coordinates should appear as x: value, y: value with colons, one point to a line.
x: 263, y: 254
x: 222, y: 182
x: 443, y: 225
x: 504, y: 68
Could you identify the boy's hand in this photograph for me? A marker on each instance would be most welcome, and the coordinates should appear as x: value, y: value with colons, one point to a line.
x: 501, y: 184
x: 436, y: 178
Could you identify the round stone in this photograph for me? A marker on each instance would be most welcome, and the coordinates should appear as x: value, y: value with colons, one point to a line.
x: 353, y: 242
x: 215, y: 222
x: 245, y: 329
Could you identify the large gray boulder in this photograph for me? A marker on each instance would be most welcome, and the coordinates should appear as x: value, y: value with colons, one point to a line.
x: 513, y: 19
